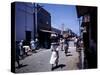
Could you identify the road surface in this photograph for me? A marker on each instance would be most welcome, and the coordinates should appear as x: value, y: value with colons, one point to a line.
x: 39, y: 62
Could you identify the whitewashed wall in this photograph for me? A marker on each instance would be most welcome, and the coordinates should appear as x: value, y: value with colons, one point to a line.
x: 23, y: 20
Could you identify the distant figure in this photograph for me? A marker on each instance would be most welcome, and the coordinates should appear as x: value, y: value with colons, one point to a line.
x: 75, y: 41
x: 32, y: 43
x: 36, y: 43
x: 54, y: 48
x: 21, y: 48
x: 27, y: 49
x: 18, y: 55
x: 61, y: 43
x: 79, y: 45
x: 66, y: 43
x: 65, y: 47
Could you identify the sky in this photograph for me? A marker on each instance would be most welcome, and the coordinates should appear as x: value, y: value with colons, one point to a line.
x: 63, y: 14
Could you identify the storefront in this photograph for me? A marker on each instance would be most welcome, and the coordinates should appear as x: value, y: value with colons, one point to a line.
x: 89, y: 34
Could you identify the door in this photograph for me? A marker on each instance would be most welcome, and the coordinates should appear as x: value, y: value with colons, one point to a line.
x: 28, y: 35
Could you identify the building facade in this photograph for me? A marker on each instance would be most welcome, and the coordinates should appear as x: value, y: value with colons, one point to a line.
x: 88, y: 29
x: 24, y: 23
x: 30, y: 19
x: 43, y: 26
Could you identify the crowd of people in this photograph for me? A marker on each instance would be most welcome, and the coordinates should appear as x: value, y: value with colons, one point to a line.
x: 25, y: 48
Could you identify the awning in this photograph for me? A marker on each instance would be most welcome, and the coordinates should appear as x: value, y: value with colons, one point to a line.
x: 47, y: 31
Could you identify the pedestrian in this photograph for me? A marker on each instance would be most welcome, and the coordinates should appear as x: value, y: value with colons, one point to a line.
x: 61, y: 43
x: 21, y: 48
x: 36, y: 43
x: 65, y: 47
x: 75, y: 41
x: 32, y: 43
x: 55, y: 54
x: 27, y: 50
x: 18, y: 55
x: 66, y: 44
x: 79, y: 44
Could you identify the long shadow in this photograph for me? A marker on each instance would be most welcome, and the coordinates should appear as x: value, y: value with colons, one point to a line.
x: 59, y: 66
x: 21, y: 66
x: 68, y: 54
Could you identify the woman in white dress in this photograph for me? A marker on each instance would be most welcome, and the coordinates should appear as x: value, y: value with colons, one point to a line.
x: 55, y: 54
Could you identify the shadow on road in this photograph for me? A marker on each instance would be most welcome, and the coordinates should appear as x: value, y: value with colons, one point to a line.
x: 59, y: 66
x: 68, y: 54
x: 21, y: 66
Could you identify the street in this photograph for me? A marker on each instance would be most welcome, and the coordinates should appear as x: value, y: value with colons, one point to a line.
x: 39, y: 62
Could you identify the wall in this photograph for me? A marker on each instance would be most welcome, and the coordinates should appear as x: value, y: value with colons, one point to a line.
x: 23, y: 20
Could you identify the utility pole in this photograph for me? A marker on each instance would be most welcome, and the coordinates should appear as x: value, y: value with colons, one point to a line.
x: 34, y: 21
x: 62, y: 29
x: 25, y: 18
x: 35, y: 12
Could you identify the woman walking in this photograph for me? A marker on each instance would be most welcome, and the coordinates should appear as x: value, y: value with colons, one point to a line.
x: 54, y: 48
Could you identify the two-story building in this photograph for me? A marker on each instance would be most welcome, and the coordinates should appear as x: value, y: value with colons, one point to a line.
x: 30, y: 21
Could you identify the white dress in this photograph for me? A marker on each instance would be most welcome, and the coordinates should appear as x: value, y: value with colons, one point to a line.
x: 54, y: 57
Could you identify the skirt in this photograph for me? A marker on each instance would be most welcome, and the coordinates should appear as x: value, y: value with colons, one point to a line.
x: 53, y: 58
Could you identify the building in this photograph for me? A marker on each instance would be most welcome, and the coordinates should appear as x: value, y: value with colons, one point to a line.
x: 30, y: 21
x: 43, y: 27
x: 57, y: 31
x: 88, y: 29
